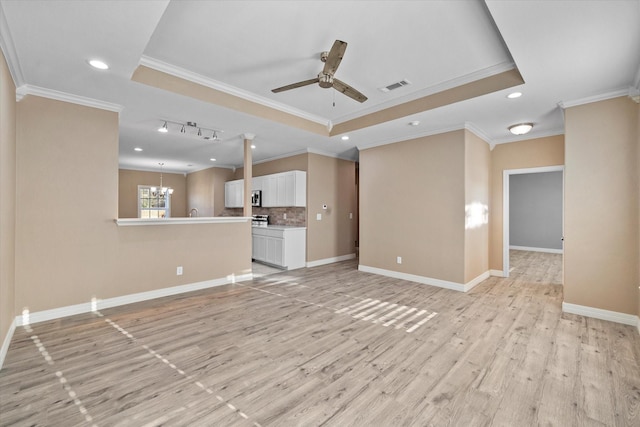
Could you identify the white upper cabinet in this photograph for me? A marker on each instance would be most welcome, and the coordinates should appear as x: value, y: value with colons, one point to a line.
x: 278, y: 190
x: 284, y: 189
x: 234, y: 194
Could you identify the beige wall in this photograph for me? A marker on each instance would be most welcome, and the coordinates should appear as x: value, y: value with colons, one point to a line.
x: 7, y: 197
x: 412, y: 201
x: 128, y: 181
x: 601, y: 205
x: 531, y: 153
x: 298, y: 162
x: 205, y: 190
x: 476, y: 245
x: 68, y: 248
x: 332, y: 182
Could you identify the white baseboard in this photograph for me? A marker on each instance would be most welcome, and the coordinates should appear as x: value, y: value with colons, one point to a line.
x: 473, y: 283
x: 496, y: 273
x: 6, y: 342
x: 598, y: 313
x: 527, y: 248
x: 425, y: 280
x: 56, y: 313
x: 330, y: 260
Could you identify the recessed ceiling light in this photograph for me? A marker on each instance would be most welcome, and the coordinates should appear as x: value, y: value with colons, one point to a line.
x: 137, y: 149
x: 521, y: 128
x: 253, y: 146
x: 96, y: 63
x: 212, y: 159
x: 514, y: 95
x: 345, y: 137
x: 414, y: 123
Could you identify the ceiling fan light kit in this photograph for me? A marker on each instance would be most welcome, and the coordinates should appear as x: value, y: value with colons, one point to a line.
x: 326, y: 77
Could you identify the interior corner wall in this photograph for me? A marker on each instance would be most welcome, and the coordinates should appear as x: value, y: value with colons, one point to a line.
x: 476, y: 225
x: 205, y: 190
x: 412, y: 200
x: 128, y: 181
x: 7, y: 199
x: 601, y: 253
x: 530, y: 153
x: 330, y: 181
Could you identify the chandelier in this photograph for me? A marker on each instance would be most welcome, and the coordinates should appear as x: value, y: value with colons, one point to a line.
x: 161, y: 191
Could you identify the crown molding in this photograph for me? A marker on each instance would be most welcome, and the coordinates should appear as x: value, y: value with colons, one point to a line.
x: 479, y: 133
x: 184, y: 74
x: 27, y: 89
x: 531, y: 135
x: 9, y: 50
x: 440, y: 87
x: 595, y: 98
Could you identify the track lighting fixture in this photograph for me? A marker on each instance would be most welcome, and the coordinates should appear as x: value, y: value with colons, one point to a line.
x: 190, y: 129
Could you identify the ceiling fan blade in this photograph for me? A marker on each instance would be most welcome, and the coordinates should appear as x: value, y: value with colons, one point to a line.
x: 295, y: 85
x: 335, y: 56
x: 341, y: 86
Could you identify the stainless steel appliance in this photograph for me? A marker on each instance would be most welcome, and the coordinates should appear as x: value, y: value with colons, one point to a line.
x: 260, y: 220
x: 256, y: 198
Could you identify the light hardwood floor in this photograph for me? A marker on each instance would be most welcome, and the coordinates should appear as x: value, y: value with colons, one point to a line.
x: 330, y: 346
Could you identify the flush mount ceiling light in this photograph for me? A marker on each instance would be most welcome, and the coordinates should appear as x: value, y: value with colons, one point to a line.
x: 253, y: 147
x: 96, y: 63
x: 345, y: 137
x: 514, y: 95
x: 212, y: 159
x: 137, y: 149
x: 521, y: 128
x: 190, y: 129
x: 414, y: 123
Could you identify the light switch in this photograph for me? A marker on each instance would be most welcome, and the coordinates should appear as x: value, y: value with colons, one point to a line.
x: 350, y: 215
x: 319, y: 217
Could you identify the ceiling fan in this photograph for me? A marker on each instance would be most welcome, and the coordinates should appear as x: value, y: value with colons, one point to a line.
x: 325, y: 79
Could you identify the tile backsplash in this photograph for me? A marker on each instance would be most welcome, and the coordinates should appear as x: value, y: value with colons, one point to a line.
x: 296, y: 216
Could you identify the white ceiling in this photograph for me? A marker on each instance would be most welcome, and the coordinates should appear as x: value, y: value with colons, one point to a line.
x: 565, y: 51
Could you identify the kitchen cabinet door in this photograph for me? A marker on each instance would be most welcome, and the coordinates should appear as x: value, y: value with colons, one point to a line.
x: 259, y: 249
x: 234, y: 194
x: 274, y: 254
x: 269, y: 191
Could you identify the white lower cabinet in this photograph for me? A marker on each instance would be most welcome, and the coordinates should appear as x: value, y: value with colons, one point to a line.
x: 284, y: 247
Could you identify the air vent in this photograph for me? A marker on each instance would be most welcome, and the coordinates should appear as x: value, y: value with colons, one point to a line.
x: 394, y: 86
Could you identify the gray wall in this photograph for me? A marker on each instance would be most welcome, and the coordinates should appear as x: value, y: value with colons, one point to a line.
x: 535, y: 210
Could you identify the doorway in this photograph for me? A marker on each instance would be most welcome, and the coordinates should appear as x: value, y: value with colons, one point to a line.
x: 506, y: 214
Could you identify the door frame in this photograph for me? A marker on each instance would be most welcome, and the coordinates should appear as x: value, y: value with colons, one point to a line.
x: 506, y: 173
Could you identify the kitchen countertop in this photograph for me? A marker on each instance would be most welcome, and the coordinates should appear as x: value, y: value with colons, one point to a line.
x: 280, y: 227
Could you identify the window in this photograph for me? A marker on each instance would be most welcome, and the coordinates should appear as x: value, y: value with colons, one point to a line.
x: 153, y: 204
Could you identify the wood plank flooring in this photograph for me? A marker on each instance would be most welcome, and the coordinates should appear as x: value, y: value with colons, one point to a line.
x: 331, y: 346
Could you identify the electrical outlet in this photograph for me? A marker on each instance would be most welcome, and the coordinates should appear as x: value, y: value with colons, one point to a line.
x: 284, y: 216
x: 350, y: 215
x: 179, y: 271
x: 399, y: 260
x: 319, y: 217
